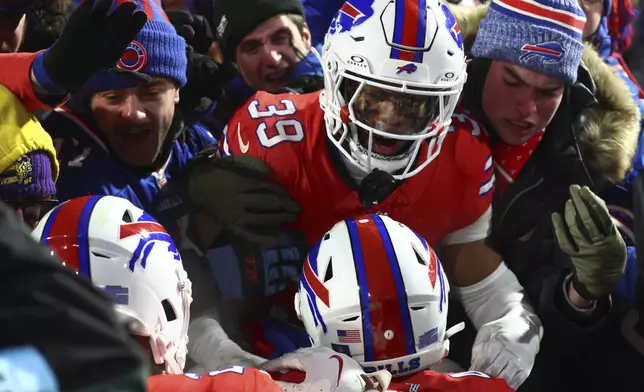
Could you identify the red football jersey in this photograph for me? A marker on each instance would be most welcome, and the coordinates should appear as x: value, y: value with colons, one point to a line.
x: 234, y: 379
x: 287, y: 131
x: 430, y: 381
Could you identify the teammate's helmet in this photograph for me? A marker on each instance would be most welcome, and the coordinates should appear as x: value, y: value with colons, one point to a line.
x: 374, y: 290
x: 129, y: 255
x: 393, y: 73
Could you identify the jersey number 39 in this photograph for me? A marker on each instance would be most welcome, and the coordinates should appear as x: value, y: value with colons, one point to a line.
x: 283, y: 130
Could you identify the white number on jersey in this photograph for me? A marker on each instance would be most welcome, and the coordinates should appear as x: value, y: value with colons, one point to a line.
x: 288, y: 129
x: 465, y: 121
x: 232, y: 369
x: 471, y: 373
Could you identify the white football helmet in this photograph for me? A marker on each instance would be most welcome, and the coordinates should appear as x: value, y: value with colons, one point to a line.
x: 393, y: 74
x: 129, y: 255
x: 374, y: 290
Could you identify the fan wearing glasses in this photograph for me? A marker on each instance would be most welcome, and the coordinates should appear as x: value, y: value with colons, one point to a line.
x: 28, y: 164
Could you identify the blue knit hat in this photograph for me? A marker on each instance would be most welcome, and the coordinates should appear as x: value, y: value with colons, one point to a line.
x: 542, y: 35
x: 156, y: 51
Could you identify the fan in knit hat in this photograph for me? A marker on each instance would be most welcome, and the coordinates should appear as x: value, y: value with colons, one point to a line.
x: 234, y: 19
x: 542, y: 35
x: 157, y: 51
x: 28, y: 165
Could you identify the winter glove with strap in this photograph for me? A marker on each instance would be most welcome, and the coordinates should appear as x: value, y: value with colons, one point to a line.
x: 588, y: 235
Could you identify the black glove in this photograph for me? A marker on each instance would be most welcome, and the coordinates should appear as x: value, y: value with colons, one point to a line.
x: 93, y: 39
x: 194, y: 28
x: 206, y: 79
x: 233, y: 194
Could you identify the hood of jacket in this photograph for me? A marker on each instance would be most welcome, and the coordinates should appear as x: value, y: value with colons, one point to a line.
x: 610, y: 134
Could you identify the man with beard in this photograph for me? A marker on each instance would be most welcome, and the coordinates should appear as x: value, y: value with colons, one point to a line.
x: 115, y: 139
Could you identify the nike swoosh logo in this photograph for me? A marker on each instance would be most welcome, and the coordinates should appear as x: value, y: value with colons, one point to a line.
x: 242, y: 146
x: 340, y: 366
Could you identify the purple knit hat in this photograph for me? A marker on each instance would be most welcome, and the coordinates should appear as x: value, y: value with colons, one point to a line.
x: 29, y: 177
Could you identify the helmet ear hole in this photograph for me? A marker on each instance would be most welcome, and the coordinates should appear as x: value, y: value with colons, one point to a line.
x: 170, y: 313
x: 329, y: 271
x: 419, y: 258
x: 127, y: 217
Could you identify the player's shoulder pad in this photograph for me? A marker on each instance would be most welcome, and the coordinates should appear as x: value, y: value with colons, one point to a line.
x: 470, y: 143
x: 267, y: 121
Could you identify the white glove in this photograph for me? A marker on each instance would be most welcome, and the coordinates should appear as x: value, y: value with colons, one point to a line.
x: 327, y: 371
x: 506, y: 348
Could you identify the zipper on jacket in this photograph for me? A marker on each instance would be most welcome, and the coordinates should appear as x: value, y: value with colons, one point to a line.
x: 518, y: 195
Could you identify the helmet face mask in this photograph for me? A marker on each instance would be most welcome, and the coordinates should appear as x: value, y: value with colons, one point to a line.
x: 382, y: 100
x: 373, y: 289
x: 132, y: 258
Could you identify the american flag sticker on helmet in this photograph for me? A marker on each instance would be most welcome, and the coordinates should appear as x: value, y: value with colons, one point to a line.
x: 349, y: 336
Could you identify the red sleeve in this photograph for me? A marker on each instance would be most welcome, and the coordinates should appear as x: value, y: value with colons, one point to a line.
x: 474, y: 159
x: 272, y: 127
x: 234, y: 379
x: 16, y: 76
x: 430, y: 381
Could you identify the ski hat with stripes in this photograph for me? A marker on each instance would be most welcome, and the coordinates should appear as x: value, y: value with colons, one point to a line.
x: 542, y: 35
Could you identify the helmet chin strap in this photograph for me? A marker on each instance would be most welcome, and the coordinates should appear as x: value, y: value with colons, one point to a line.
x: 165, y: 351
x: 454, y: 330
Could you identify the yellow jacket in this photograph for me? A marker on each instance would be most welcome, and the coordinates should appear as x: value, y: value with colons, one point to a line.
x: 21, y: 133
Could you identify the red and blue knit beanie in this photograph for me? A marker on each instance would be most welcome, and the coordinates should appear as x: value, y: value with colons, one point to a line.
x: 157, y: 51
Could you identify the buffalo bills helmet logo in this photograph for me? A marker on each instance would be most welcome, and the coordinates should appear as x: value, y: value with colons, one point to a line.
x: 452, y: 26
x: 407, y: 68
x: 352, y: 14
x: 134, y: 58
x: 548, y: 52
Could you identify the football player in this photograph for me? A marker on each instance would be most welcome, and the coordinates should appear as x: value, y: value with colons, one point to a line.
x: 131, y: 257
x: 381, y: 137
x: 375, y: 290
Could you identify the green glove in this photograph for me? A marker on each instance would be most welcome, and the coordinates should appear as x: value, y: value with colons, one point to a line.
x: 234, y: 194
x: 589, y: 236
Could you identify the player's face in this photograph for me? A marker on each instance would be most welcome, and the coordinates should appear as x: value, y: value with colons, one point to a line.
x: 136, y: 121
x: 519, y: 102
x: 392, y: 112
x: 268, y: 54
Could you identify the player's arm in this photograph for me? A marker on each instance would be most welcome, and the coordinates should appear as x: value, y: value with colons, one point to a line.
x: 209, y: 346
x: 509, y: 331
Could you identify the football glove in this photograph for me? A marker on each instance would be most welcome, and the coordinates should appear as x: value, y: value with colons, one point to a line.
x: 233, y: 194
x: 194, y: 28
x: 588, y: 235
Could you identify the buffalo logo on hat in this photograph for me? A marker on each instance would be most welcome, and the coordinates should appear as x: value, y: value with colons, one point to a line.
x: 134, y: 58
x: 549, y: 52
